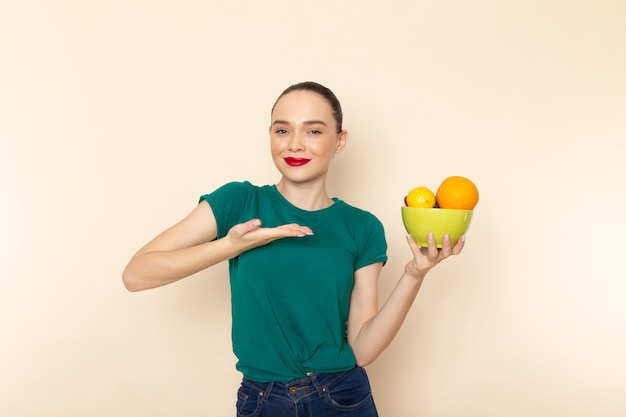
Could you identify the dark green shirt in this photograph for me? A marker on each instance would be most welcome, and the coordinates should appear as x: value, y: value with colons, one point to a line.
x: 291, y: 298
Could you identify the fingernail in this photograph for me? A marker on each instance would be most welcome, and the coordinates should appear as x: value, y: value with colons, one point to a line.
x: 446, y: 237
x: 463, y: 239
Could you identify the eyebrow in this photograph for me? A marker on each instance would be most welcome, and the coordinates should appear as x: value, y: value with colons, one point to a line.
x: 306, y: 122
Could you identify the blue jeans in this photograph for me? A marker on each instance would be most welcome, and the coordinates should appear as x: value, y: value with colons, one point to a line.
x: 345, y: 394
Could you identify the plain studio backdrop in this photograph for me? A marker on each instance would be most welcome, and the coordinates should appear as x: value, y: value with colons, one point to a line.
x: 115, y: 116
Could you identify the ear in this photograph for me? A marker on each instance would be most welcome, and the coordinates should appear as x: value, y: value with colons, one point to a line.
x: 341, y: 141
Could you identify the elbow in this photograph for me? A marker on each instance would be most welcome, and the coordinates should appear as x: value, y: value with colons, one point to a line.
x: 129, y: 281
x: 364, y: 359
x: 362, y: 363
x: 130, y: 287
x: 364, y: 353
x: 135, y: 279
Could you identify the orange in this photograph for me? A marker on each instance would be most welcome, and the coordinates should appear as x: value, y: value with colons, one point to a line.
x: 457, y: 193
x: 420, y: 197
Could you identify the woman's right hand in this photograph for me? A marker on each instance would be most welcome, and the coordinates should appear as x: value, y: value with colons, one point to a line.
x: 249, y: 235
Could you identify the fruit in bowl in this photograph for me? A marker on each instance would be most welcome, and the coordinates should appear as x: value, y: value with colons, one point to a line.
x: 450, y: 213
x: 457, y: 193
x: 420, y: 197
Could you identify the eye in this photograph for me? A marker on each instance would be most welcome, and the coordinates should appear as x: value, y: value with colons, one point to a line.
x: 315, y: 132
x: 280, y: 131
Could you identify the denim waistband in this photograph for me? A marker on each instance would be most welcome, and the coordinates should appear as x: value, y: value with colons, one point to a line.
x: 313, y: 383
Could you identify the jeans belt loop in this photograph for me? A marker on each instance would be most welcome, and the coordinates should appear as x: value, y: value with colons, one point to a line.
x: 265, y: 395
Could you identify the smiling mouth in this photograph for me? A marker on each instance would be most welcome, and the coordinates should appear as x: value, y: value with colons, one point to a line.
x: 296, y: 162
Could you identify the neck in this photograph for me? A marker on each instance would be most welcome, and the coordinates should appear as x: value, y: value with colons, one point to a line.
x: 305, y: 196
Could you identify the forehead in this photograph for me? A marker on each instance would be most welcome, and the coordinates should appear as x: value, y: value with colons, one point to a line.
x: 302, y: 104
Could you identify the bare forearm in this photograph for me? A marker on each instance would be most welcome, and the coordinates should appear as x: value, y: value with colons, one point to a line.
x: 157, y: 268
x: 173, y: 255
x: 381, y: 329
x: 372, y: 329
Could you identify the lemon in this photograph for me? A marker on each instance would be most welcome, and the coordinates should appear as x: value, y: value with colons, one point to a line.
x: 420, y: 197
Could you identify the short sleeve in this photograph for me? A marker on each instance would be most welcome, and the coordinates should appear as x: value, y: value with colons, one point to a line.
x: 227, y: 203
x: 372, y: 242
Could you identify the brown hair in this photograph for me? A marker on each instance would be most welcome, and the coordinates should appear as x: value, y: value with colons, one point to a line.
x: 322, y: 91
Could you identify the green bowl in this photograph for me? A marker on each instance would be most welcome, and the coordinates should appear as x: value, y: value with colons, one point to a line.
x: 421, y: 221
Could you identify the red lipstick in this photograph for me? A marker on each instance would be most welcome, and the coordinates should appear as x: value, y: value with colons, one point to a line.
x: 296, y: 162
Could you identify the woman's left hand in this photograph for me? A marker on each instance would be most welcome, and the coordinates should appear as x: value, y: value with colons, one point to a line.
x: 426, y: 258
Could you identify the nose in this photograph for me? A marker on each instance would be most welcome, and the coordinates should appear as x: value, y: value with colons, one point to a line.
x: 296, y: 142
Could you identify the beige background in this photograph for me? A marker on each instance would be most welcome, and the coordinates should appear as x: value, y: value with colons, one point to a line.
x: 116, y: 115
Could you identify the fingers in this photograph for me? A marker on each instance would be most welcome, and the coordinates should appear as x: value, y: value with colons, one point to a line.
x: 458, y: 247
x: 247, y: 227
x: 253, y: 232
x: 250, y: 234
x: 433, y: 251
x: 296, y: 230
x: 412, y: 244
x: 284, y: 230
x: 430, y: 251
x: 447, y: 249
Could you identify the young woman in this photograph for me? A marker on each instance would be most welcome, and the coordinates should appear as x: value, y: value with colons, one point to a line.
x: 304, y: 270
